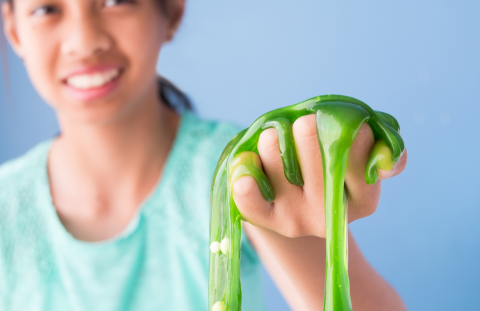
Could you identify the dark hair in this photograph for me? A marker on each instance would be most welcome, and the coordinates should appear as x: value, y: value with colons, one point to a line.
x: 172, y: 96
x: 168, y: 92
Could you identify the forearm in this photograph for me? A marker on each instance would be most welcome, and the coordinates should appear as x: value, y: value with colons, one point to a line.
x: 368, y: 290
x: 298, y: 268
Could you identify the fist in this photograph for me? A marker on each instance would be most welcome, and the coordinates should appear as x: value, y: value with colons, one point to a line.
x: 299, y: 210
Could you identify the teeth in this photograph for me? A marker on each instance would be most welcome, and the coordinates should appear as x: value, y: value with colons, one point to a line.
x: 89, y: 81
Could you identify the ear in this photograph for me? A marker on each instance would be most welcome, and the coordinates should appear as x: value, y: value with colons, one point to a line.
x: 174, y: 12
x: 9, y: 28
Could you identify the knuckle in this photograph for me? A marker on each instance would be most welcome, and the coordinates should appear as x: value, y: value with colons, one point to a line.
x: 292, y: 230
x: 364, y: 209
x: 369, y: 210
x: 363, y: 206
x: 290, y: 233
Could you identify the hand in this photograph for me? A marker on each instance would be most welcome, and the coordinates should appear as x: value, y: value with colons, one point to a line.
x: 299, y: 211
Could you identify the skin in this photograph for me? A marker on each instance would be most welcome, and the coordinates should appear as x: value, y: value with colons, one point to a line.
x: 338, y: 120
x: 112, y: 150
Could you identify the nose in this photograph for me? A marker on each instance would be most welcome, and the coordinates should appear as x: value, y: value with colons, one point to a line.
x: 86, y: 37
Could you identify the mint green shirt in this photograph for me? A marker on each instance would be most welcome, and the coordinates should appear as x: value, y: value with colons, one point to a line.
x: 159, y: 262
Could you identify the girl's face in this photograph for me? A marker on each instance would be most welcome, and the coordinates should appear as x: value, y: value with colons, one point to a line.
x: 92, y: 60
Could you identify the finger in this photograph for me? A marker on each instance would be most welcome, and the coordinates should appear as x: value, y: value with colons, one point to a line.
x: 272, y: 164
x: 308, y: 150
x: 259, y: 212
x: 250, y: 202
x: 248, y: 163
x: 397, y: 169
x: 362, y: 198
x: 287, y: 150
x: 359, y: 153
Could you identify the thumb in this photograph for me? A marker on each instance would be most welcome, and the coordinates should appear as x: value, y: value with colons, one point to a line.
x: 251, y: 203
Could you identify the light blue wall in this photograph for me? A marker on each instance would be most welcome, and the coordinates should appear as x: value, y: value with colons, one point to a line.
x: 418, y: 60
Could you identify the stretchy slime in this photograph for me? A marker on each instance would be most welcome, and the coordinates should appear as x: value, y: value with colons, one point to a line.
x: 338, y: 120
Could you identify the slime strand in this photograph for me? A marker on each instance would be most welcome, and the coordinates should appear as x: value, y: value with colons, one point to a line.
x: 338, y: 120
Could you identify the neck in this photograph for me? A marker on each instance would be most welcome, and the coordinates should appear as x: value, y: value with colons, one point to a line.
x: 112, y: 165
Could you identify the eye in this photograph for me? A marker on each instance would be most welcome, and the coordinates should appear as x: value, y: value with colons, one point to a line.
x: 110, y: 3
x: 45, y: 10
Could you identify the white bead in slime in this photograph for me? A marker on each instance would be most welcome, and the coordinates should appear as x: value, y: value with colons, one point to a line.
x: 224, y: 245
x: 218, y: 306
x: 215, y: 247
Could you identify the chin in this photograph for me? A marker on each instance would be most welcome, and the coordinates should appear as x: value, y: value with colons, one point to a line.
x: 103, y: 113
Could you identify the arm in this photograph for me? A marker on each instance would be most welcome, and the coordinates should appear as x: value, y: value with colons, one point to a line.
x: 288, y: 234
x: 297, y: 265
x: 294, y: 171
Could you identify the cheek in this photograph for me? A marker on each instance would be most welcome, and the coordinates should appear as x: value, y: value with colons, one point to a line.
x: 141, y: 43
x: 39, y: 55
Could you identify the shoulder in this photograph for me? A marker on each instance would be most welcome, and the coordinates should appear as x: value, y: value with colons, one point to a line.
x: 187, y: 176
x: 23, y: 226
x: 20, y: 177
x: 208, y: 136
x: 210, y: 130
x: 16, y: 172
x: 194, y: 157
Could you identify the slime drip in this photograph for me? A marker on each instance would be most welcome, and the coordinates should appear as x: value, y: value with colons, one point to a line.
x: 338, y: 120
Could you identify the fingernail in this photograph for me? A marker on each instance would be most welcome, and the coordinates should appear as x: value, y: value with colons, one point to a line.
x: 384, y: 174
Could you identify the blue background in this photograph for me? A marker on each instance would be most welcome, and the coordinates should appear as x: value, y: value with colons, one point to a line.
x: 418, y: 60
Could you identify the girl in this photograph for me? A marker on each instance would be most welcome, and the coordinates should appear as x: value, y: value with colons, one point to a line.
x: 113, y: 213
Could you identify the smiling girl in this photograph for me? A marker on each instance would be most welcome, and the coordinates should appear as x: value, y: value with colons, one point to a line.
x: 112, y: 214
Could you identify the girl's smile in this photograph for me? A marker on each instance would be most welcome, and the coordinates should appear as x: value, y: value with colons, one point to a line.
x: 93, y: 82
x: 93, y: 61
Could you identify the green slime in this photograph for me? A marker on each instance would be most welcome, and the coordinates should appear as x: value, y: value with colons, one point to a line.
x: 338, y: 120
